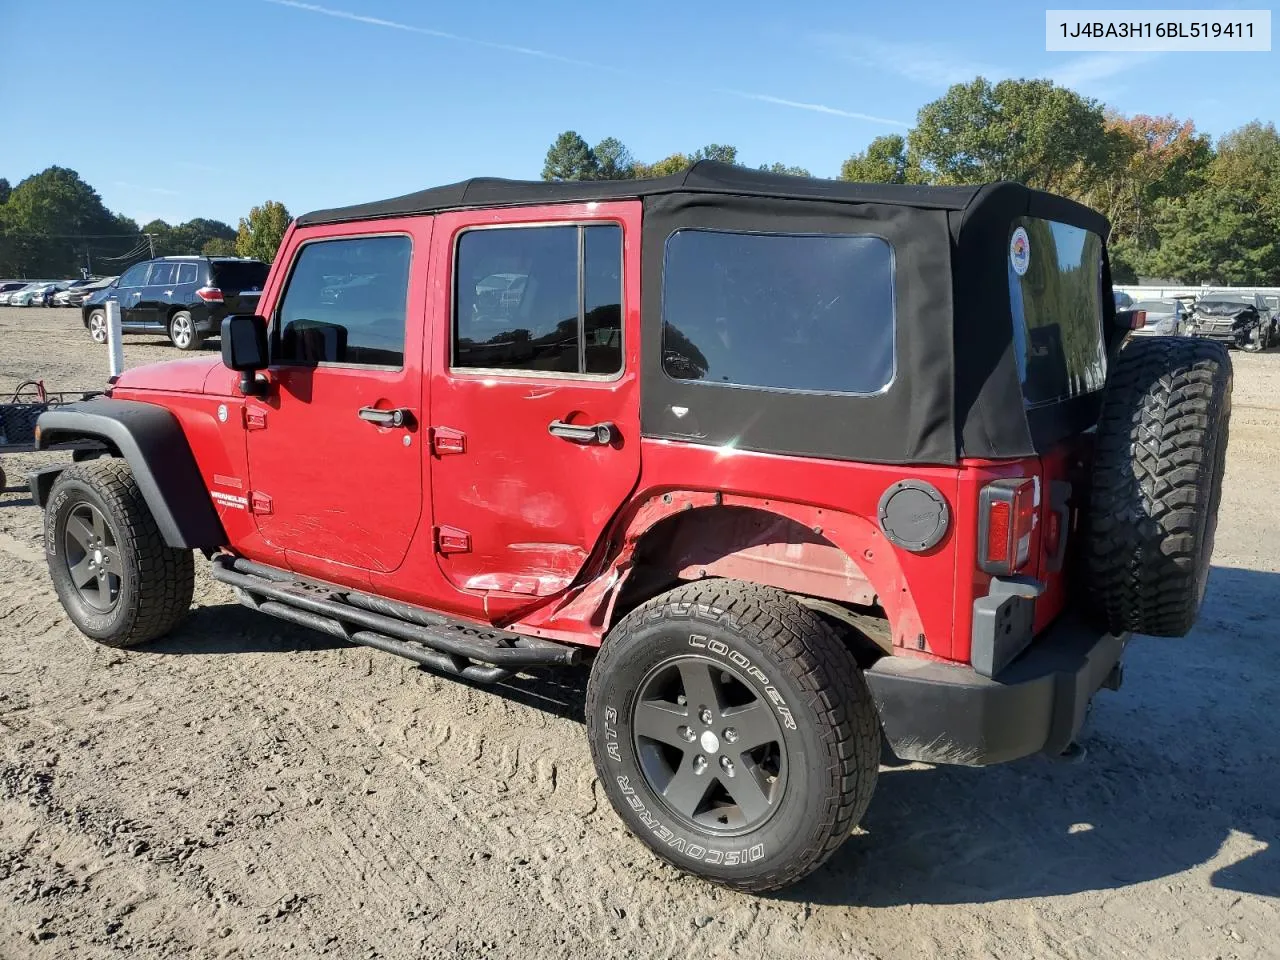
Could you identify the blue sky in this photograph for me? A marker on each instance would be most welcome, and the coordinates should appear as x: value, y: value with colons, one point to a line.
x: 206, y: 108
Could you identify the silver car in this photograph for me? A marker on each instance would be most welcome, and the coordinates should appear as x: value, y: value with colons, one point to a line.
x: 1165, y: 318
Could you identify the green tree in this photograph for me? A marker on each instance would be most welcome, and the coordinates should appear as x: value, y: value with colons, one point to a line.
x: 219, y: 247
x: 5, y: 190
x: 1030, y: 131
x: 785, y: 169
x: 676, y: 163
x: 884, y: 161
x: 261, y: 232
x: 570, y: 158
x: 1228, y: 230
x: 613, y: 160
x: 51, y: 220
x: 720, y: 152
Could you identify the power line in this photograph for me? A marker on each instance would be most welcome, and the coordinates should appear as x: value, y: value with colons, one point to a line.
x: 76, y: 236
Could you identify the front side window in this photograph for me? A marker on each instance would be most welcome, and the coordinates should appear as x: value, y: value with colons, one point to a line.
x: 801, y: 312
x: 345, y: 303
x: 135, y: 276
x: 539, y: 299
x: 1055, y: 288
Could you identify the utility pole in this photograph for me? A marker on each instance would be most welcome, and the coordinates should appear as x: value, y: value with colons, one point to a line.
x: 151, y: 241
x: 88, y: 264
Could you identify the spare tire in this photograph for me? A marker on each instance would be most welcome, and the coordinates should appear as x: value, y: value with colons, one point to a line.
x: 1157, y: 479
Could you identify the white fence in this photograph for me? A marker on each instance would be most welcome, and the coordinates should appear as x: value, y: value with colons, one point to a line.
x: 1161, y: 293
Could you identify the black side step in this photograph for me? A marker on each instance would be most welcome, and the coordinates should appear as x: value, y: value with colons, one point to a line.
x: 451, y: 646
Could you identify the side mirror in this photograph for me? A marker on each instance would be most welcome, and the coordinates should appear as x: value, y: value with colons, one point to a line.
x: 244, y: 348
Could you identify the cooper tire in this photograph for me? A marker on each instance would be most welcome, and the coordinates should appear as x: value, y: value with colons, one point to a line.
x: 1157, y: 481
x: 182, y: 331
x: 97, y: 326
x: 119, y: 582
x: 774, y: 666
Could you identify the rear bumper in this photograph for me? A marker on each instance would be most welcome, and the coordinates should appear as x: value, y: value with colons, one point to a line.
x: 940, y: 713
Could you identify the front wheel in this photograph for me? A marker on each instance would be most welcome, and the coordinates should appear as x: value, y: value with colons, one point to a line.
x: 182, y: 331
x: 1257, y: 341
x: 733, y: 732
x: 98, y: 326
x: 118, y: 580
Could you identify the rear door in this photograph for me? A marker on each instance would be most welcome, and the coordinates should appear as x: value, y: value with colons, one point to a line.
x: 1056, y: 291
x: 535, y: 390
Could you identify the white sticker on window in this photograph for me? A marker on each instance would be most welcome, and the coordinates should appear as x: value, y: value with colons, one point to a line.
x: 1020, y: 251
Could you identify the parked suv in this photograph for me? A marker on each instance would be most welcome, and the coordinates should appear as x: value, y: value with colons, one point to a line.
x: 1240, y: 319
x: 184, y: 298
x: 797, y: 464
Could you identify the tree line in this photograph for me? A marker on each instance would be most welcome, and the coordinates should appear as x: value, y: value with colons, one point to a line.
x: 1181, y: 206
x: 53, y: 224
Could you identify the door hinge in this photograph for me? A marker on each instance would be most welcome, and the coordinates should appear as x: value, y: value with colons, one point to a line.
x: 259, y: 503
x: 446, y: 441
x: 255, y: 418
x: 452, y: 540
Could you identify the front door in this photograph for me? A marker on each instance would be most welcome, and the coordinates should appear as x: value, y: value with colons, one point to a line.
x: 128, y: 293
x: 152, y: 306
x: 535, y: 391
x: 335, y: 456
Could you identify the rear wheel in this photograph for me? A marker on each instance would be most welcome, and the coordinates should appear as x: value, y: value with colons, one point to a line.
x: 1157, y: 480
x: 182, y: 331
x: 98, y: 326
x: 733, y: 732
x: 118, y: 580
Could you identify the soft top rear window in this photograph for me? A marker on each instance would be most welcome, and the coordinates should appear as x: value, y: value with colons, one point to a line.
x: 239, y: 275
x: 1055, y: 288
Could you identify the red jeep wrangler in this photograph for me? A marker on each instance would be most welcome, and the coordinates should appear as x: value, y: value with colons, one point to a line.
x: 799, y: 464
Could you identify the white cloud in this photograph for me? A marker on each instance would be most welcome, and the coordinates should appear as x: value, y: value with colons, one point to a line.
x: 558, y: 58
x: 938, y: 66
x: 1087, y: 71
x: 141, y: 189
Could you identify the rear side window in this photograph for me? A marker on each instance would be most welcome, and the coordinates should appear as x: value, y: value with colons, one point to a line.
x: 1055, y: 288
x: 345, y: 303
x: 186, y: 273
x: 239, y: 275
x: 162, y: 274
x: 540, y: 299
x: 798, y: 312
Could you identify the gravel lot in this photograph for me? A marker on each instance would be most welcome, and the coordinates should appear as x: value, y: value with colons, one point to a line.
x: 244, y: 788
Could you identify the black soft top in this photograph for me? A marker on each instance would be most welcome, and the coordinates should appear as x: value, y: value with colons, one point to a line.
x: 957, y: 390
x: 705, y: 176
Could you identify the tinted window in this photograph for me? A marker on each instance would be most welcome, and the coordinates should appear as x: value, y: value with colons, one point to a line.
x: 1057, y: 310
x: 135, y: 276
x: 240, y: 275
x: 162, y: 274
x: 186, y: 273
x: 540, y: 299
x: 783, y: 311
x: 345, y: 303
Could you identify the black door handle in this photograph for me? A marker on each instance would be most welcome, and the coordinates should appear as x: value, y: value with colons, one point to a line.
x: 602, y: 434
x: 385, y: 418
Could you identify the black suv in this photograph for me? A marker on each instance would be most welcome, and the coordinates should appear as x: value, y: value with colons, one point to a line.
x: 184, y: 298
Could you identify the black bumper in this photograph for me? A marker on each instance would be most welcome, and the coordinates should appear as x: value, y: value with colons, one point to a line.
x: 939, y: 713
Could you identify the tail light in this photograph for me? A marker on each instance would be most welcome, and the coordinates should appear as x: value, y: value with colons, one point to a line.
x: 210, y: 294
x: 1137, y: 319
x: 1007, y: 513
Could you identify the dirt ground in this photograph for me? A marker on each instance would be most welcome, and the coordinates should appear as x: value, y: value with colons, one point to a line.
x: 245, y: 788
